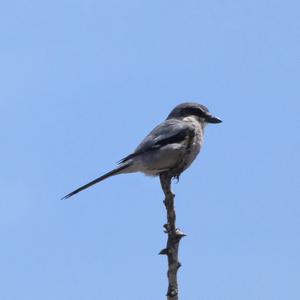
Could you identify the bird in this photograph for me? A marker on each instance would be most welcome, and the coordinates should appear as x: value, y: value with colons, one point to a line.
x: 169, y: 148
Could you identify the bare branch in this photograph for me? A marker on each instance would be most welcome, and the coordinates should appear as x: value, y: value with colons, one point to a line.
x: 174, y: 237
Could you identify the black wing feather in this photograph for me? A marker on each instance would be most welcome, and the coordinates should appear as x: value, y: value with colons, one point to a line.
x: 169, y: 132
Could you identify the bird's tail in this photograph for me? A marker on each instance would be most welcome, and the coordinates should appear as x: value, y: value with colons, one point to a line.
x: 109, y: 174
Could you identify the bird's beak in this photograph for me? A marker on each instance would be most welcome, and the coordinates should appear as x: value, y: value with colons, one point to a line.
x: 213, y: 120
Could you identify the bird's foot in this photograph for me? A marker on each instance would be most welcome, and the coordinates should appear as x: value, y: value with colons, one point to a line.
x: 177, y: 178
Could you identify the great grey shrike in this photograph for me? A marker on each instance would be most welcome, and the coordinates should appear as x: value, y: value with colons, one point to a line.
x: 170, y: 147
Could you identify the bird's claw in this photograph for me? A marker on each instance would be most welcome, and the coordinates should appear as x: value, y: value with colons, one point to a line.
x: 177, y: 178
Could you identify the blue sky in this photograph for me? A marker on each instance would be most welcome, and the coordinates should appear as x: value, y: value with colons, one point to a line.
x: 82, y: 82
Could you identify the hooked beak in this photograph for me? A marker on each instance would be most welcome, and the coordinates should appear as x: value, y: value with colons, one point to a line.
x: 213, y: 120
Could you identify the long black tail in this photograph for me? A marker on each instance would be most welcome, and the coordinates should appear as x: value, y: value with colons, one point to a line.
x: 111, y: 173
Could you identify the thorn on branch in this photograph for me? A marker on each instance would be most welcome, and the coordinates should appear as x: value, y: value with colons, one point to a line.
x: 164, y: 252
x: 167, y: 228
x: 179, y: 233
x: 173, y: 292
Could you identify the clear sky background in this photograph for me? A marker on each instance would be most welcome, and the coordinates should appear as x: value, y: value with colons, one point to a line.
x: 82, y: 82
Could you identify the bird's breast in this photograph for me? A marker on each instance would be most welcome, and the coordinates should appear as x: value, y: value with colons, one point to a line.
x: 196, y: 142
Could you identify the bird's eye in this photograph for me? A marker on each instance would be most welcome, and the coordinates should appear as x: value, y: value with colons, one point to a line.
x: 193, y: 111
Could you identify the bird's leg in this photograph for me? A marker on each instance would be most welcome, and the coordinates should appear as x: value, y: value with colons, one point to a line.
x: 174, y: 237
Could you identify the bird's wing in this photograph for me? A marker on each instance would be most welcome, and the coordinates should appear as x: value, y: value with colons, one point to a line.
x: 169, y: 132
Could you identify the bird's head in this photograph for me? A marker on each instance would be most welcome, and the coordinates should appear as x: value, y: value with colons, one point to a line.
x: 199, y: 111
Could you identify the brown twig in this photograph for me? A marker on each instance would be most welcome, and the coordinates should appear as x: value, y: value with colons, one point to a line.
x: 174, y: 237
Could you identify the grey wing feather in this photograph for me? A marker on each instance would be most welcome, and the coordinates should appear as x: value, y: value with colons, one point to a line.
x: 169, y: 132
